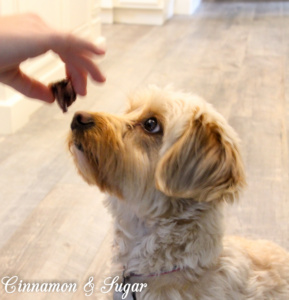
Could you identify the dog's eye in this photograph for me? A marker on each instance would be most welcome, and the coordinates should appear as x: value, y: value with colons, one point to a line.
x: 151, y: 125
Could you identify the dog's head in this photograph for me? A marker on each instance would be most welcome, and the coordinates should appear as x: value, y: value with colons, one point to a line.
x: 166, y: 142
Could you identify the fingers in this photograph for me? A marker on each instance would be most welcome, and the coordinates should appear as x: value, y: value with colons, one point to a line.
x: 78, y: 54
x: 83, y: 45
x: 77, y: 69
x: 26, y: 85
x: 91, y: 68
x: 78, y: 78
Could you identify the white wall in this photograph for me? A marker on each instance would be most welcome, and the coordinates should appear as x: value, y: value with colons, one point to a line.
x: 80, y: 16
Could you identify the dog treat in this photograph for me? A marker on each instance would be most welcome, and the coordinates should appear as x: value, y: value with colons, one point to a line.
x: 64, y: 93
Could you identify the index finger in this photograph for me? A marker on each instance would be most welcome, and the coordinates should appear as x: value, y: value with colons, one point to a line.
x: 28, y: 86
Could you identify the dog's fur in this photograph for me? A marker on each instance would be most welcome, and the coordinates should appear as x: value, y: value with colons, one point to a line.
x: 167, y: 194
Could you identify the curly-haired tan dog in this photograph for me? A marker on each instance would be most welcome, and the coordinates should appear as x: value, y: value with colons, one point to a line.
x: 170, y: 163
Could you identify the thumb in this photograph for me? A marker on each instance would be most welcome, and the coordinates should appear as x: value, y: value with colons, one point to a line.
x: 27, y: 85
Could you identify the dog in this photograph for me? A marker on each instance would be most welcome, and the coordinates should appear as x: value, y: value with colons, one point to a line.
x: 169, y: 164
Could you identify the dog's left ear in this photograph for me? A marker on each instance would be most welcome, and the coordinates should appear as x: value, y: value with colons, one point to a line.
x: 204, y: 164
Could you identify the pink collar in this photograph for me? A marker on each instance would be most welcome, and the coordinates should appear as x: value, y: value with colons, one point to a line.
x: 125, y: 279
x: 175, y: 269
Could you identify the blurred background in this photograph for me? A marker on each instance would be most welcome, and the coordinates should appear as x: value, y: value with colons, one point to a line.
x: 232, y: 53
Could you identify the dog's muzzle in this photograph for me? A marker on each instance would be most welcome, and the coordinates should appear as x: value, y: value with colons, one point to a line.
x: 82, y: 121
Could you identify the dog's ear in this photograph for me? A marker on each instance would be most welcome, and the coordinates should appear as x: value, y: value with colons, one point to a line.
x: 204, y: 163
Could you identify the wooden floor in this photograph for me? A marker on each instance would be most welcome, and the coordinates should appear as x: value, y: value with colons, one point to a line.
x: 236, y: 55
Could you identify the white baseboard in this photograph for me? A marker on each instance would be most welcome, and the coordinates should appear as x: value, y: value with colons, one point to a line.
x: 139, y: 16
x: 138, y: 13
x: 186, y: 7
x: 106, y: 15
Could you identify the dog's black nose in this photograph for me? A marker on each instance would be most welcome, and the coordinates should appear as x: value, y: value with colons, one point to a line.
x: 82, y: 120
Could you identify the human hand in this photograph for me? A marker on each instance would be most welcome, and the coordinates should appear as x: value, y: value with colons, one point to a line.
x: 26, y: 36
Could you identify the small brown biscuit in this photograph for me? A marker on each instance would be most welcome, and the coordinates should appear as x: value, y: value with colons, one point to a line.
x: 64, y: 93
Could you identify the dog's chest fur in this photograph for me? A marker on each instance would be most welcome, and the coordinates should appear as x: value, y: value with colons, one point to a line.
x: 212, y: 267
